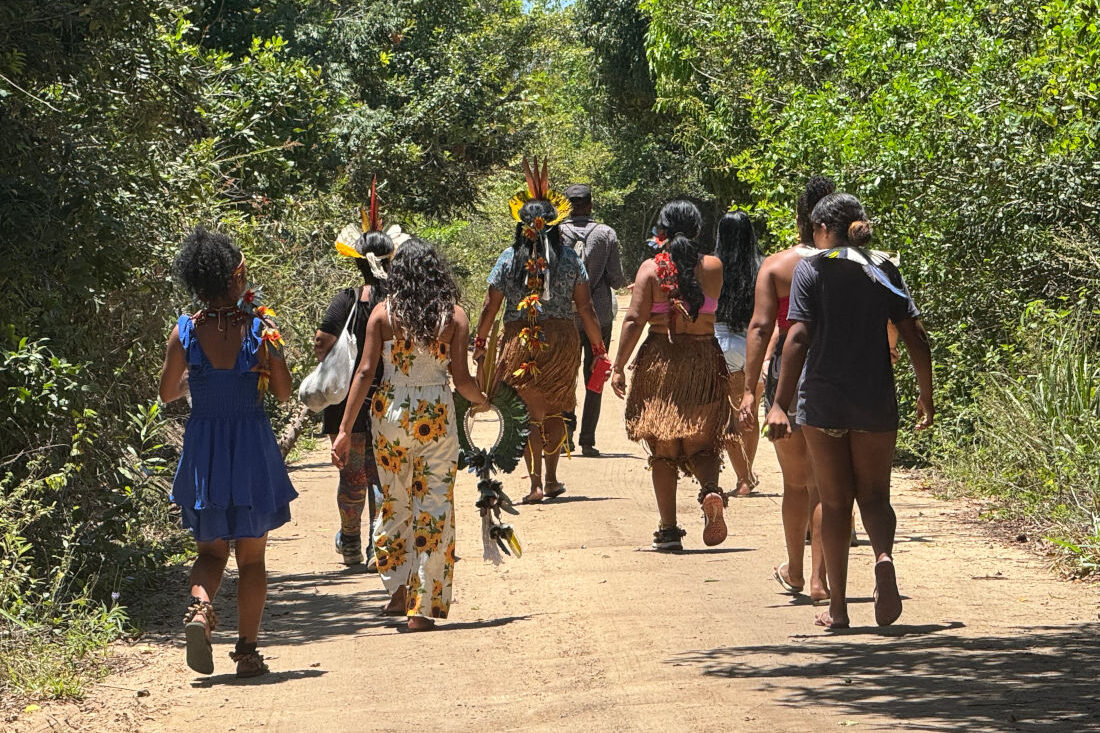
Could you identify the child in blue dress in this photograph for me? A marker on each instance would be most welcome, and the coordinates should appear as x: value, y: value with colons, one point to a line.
x: 231, y: 485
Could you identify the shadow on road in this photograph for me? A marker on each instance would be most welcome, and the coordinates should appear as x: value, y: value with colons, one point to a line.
x: 271, y: 678
x: 1041, y: 679
x: 308, y: 607
x: 292, y: 468
x: 466, y: 625
x: 574, y: 498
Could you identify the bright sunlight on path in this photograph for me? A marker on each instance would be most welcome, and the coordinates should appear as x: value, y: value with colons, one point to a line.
x: 591, y: 631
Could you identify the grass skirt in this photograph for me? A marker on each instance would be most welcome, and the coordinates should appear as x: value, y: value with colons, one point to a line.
x: 556, y: 381
x: 680, y: 389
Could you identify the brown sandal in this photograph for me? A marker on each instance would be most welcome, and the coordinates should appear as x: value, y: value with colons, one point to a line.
x: 250, y: 663
x: 200, y: 654
x: 558, y: 490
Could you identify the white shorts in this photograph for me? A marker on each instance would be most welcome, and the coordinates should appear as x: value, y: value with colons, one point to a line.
x: 733, y: 346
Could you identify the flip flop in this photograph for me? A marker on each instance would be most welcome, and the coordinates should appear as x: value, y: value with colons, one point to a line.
x: 530, y: 500
x: 782, y: 580
x: 820, y: 601
x: 888, y: 605
x: 547, y: 493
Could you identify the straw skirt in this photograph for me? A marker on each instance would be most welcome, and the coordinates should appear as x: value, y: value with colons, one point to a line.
x: 680, y: 390
x: 556, y: 377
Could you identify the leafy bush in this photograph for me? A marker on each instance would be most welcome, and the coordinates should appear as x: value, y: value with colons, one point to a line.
x: 83, y: 509
x: 1036, y: 451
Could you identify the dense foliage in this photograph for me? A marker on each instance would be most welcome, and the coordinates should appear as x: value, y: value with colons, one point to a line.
x: 124, y: 124
x: 969, y: 130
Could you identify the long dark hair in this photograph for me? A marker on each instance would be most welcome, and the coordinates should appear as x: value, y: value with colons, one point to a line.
x: 736, y: 247
x: 525, y: 247
x: 422, y: 290
x: 682, y: 222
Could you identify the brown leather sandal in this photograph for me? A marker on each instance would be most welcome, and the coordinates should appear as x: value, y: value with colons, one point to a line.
x: 200, y: 654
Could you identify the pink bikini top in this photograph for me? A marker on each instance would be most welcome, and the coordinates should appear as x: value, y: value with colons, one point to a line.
x: 710, y: 305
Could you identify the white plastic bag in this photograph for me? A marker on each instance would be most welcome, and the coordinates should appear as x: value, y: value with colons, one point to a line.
x: 329, y: 382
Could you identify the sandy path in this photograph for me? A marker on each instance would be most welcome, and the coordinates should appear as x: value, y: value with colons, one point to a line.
x: 592, y: 631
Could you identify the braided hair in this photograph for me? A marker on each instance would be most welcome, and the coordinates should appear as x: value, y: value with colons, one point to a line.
x: 682, y: 223
x: 525, y: 248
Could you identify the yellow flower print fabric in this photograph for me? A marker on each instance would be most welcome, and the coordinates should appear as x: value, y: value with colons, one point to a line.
x: 416, y: 447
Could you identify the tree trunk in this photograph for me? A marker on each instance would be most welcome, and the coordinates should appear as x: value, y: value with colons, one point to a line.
x: 293, y: 429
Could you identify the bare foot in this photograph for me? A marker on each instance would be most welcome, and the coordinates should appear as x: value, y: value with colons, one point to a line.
x: 419, y: 623
x: 819, y: 592
x: 744, y: 487
x: 396, y: 606
x: 826, y: 619
x: 887, y: 597
x: 535, y: 497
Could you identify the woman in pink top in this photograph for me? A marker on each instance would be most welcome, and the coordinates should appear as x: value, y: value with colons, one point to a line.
x: 679, y: 400
x: 801, y: 505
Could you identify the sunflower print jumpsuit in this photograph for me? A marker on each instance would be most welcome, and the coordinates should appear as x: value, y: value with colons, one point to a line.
x: 416, y: 446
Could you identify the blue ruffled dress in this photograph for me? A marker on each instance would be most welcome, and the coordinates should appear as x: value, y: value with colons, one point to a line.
x: 231, y: 481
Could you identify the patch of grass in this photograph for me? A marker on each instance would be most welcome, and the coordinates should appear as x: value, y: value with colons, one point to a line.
x: 1036, y: 449
x: 58, y: 660
x: 307, y: 443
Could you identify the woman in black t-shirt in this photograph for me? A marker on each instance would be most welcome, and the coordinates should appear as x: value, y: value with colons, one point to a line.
x: 841, y: 301
x: 359, y: 475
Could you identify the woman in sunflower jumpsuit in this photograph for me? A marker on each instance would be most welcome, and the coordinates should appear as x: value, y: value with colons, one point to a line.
x: 414, y: 332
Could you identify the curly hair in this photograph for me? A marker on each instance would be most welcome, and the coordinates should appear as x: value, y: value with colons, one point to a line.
x: 736, y: 247
x: 205, y: 264
x: 525, y: 248
x: 421, y: 290
x: 817, y: 188
x: 843, y: 214
x: 682, y: 223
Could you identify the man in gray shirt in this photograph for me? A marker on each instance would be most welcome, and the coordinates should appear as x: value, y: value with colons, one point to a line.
x: 598, y: 248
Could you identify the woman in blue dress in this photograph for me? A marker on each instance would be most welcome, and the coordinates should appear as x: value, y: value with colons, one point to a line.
x: 231, y: 484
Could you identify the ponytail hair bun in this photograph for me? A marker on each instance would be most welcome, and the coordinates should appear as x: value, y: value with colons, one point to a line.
x: 859, y: 232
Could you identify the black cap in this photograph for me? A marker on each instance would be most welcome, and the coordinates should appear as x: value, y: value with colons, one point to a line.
x: 579, y: 192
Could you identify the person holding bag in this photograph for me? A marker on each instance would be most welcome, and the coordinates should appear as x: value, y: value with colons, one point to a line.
x: 349, y: 312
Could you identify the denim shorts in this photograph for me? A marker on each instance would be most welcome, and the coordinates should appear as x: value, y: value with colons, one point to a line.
x: 732, y: 345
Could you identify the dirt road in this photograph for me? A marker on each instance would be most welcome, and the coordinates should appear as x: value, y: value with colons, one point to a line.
x: 591, y: 631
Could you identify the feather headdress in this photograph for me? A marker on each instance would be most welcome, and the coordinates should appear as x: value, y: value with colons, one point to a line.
x: 348, y: 240
x: 538, y: 188
x: 536, y: 226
